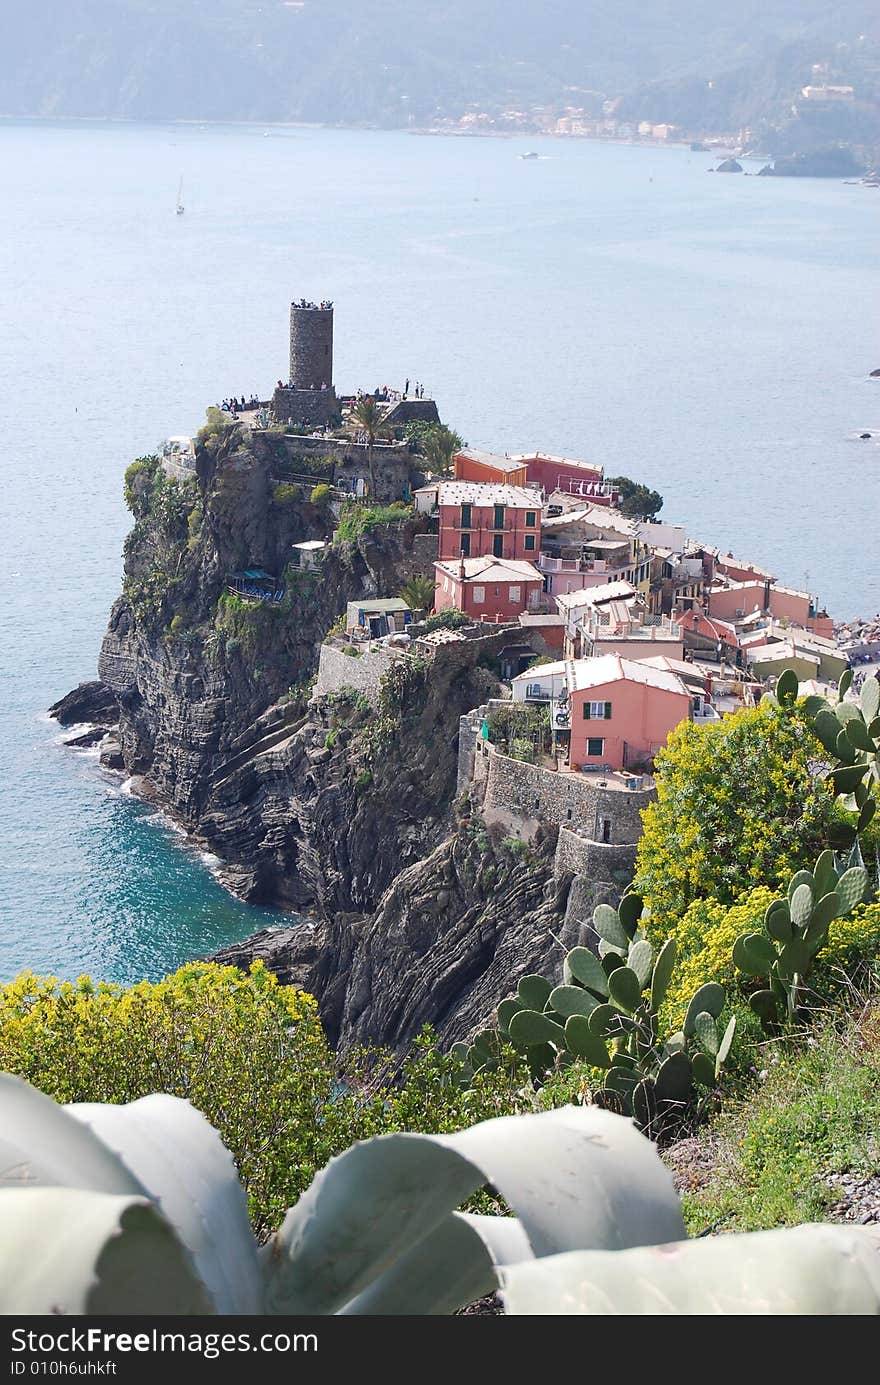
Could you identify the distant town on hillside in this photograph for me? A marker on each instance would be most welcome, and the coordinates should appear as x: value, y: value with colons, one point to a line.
x: 795, y: 75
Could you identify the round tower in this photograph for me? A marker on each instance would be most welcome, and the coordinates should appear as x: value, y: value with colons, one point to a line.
x: 311, y: 346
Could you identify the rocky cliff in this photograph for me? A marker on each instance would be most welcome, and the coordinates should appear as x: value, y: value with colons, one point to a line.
x: 339, y: 808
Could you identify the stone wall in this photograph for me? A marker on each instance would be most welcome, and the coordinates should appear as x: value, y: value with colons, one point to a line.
x: 577, y: 855
x: 338, y: 670
x: 305, y: 407
x: 412, y: 411
x: 426, y: 548
x: 531, y: 793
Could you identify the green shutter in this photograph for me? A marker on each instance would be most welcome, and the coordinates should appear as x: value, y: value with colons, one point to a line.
x: 607, y: 711
x: 586, y: 711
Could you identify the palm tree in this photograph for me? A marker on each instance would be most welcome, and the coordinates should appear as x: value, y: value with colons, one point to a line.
x: 368, y: 416
x: 440, y: 445
x: 418, y: 593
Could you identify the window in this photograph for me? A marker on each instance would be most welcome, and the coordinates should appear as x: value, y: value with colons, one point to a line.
x: 465, y: 516
x: 513, y: 594
x: 530, y: 543
x: 597, y: 711
x: 595, y: 746
x: 465, y: 545
x: 498, y: 546
x: 605, y: 829
x: 530, y: 519
x: 446, y: 584
x: 479, y: 595
x: 498, y: 521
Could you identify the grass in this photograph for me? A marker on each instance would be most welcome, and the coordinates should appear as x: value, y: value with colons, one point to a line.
x: 815, y: 1110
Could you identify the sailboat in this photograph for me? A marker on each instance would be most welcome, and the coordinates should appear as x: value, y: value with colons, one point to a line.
x: 180, y: 206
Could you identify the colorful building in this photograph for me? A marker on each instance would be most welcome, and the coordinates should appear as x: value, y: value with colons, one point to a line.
x: 488, y: 520
x: 568, y: 475
x: 487, y: 588
x: 473, y: 465
x: 615, y: 713
x: 742, y: 599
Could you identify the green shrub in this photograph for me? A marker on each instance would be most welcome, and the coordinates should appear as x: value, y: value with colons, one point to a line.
x: 521, y: 749
x: 331, y: 738
x: 357, y: 519
x: 320, y: 494
x: 363, y: 780
x: 352, y: 651
x: 447, y: 620
x: 140, y: 478
x: 178, y: 624
x: 287, y: 493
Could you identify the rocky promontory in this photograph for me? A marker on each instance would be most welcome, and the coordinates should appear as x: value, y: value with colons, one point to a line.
x: 333, y: 807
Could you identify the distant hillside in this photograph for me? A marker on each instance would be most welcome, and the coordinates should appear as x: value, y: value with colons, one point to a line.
x: 398, y: 62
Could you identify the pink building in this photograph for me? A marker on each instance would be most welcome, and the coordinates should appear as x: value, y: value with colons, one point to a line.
x: 487, y: 588
x: 488, y: 520
x: 741, y: 599
x: 740, y: 570
x: 568, y: 475
x: 621, y: 711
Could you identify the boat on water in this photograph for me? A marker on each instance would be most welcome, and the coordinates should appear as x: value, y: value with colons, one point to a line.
x: 530, y: 155
x: 180, y: 206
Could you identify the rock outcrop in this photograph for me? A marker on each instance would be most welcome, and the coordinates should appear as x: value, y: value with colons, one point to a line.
x: 92, y: 703
x: 337, y: 808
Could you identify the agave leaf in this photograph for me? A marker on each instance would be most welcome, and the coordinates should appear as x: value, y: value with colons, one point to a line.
x: 372, y: 1205
x: 42, y: 1145
x: 724, y: 1046
x: 450, y: 1267
x: 77, y: 1251
x: 795, y: 1271
x: 182, y: 1162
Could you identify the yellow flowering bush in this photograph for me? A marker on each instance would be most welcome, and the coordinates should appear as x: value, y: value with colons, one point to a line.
x: 705, y: 935
x: 247, y: 1052
x: 708, y: 930
x: 738, y: 805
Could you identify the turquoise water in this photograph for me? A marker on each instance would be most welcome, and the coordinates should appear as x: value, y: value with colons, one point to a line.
x: 710, y: 335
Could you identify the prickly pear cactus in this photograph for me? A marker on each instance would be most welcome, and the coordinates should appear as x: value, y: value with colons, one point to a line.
x: 795, y: 930
x: 605, y: 1013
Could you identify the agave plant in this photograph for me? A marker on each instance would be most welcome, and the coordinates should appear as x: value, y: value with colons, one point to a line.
x: 137, y: 1209
x: 606, y: 1012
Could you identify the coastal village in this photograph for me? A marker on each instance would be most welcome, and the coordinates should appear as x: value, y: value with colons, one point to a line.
x: 607, y: 629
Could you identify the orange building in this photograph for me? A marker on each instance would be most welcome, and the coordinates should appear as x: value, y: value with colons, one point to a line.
x: 473, y: 465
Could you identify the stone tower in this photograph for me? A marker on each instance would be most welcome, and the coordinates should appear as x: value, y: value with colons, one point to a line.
x: 311, y: 346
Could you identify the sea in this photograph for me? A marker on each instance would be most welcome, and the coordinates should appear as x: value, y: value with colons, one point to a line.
x: 708, y: 334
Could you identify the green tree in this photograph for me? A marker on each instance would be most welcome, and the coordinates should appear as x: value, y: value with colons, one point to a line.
x: 739, y: 804
x: 368, y: 415
x: 637, y: 500
x: 418, y: 592
x: 439, y: 445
